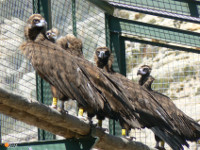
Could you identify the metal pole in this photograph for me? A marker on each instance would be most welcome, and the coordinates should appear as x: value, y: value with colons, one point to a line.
x: 74, y: 17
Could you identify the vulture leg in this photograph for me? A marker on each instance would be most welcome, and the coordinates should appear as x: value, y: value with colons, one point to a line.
x: 54, y: 103
x: 100, y: 118
x: 80, y: 114
x: 158, y: 141
x: 90, y: 116
x: 124, y: 133
x: 62, y: 107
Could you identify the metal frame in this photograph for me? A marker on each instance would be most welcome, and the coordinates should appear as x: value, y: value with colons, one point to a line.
x: 74, y: 17
x: 104, y: 5
x: 144, y: 32
x: 192, y: 16
x: 119, y: 30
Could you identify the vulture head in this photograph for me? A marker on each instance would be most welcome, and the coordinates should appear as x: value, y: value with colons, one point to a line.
x: 36, y: 24
x: 102, y: 56
x: 52, y: 35
x: 144, y: 70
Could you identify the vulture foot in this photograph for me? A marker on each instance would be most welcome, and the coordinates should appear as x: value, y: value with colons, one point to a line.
x: 130, y: 138
x: 62, y: 111
x: 160, y: 148
x: 82, y: 118
x: 53, y: 106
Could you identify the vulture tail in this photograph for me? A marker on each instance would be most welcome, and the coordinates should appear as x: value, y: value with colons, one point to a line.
x: 175, y: 141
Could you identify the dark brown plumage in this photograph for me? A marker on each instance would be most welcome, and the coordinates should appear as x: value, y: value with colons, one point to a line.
x: 72, y: 44
x: 113, y: 95
x: 146, y: 80
x: 165, y: 107
x: 52, y: 36
x: 104, y: 59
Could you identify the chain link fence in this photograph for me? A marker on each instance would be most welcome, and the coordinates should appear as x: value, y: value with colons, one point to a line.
x: 16, y: 73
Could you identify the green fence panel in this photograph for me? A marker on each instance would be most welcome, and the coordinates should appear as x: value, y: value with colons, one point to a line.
x: 183, y: 10
x: 166, y: 35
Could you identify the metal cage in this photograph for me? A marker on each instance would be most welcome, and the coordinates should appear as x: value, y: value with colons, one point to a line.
x: 162, y: 33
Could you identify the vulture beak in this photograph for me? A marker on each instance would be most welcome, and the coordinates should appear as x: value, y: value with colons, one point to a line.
x: 42, y: 23
x: 54, y: 36
x: 102, y: 54
x: 141, y: 72
x: 138, y: 73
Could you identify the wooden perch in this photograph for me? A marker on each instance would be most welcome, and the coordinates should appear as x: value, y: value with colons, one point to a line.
x: 34, y: 113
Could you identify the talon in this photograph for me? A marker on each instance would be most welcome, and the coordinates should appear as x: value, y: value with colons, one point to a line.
x: 130, y: 138
x: 62, y: 111
x: 82, y: 118
x: 53, y: 106
x: 160, y: 148
x: 99, y: 124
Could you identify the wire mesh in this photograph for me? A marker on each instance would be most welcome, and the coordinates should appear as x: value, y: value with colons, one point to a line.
x: 158, y: 33
x: 176, y: 72
x: 17, y: 75
x: 90, y: 28
x: 171, y: 6
x: 176, y: 75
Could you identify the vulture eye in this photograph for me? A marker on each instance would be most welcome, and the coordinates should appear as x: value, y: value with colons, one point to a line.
x: 36, y: 20
x: 48, y: 33
x: 145, y: 69
x: 107, y: 53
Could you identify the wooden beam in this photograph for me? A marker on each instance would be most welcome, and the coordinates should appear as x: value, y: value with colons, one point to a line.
x: 35, y: 113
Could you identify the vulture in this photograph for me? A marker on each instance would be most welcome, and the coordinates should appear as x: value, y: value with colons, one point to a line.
x: 72, y: 45
x: 146, y: 80
x: 102, y: 93
x: 52, y: 34
x: 185, y: 127
x: 103, y: 59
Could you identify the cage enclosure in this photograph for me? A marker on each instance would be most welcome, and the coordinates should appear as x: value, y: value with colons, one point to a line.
x: 164, y: 34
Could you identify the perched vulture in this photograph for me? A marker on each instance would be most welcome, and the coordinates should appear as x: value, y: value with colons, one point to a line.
x: 52, y: 34
x: 102, y: 93
x: 146, y: 80
x: 185, y: 127
x: 72, y: 45
x: 76, y: 78
x: 104, y: 59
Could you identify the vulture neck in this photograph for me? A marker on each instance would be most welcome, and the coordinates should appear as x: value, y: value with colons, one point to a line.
x: 143, y: 79
x: 101, y: 64
x: 32, y: 34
